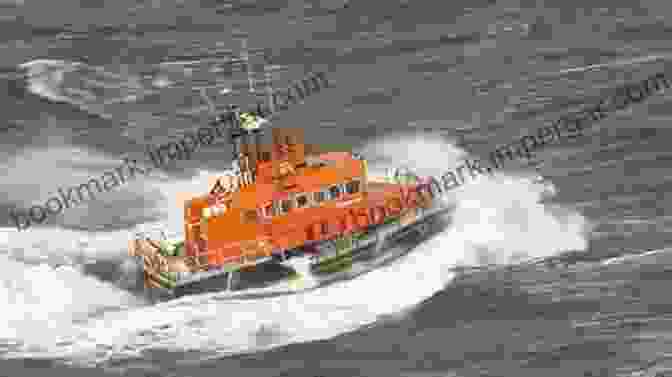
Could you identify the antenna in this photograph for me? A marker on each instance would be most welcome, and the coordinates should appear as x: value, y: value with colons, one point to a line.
x: 246, y: 58
x: 268, y: 78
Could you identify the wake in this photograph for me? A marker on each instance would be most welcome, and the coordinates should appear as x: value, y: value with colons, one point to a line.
x: 61, y: 312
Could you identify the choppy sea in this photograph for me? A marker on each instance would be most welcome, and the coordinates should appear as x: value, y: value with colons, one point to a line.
x: 425, y: 84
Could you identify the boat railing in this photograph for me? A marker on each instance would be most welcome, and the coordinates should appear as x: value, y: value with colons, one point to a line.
x: 245, y: 257
x: 155, y: 232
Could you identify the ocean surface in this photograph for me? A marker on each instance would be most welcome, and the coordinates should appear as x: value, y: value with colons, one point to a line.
x: 425, y: 84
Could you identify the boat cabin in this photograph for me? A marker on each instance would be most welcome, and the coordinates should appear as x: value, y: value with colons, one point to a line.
x: 282, y: 196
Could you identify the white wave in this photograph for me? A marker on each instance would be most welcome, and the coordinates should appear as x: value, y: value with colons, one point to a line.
x: 87, y: 87
x: 501, y: 217
x: 614, y: 63
x: 162, y: 82
x: 56, y: 246
x: 634, y: 257
x: 38, y: 300
x: 45, y: 77
x: 497, y: 219
x: 43, y: 288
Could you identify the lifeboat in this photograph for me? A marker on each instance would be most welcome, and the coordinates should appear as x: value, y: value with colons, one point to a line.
x: 284, y: 204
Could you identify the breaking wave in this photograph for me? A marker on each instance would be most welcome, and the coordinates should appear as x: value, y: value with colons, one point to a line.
x: 87, y: 87
x: 63, y: 311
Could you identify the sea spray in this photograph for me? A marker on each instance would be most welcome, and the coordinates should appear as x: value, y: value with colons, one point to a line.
x: 499, y: 217
x: 41, y: 302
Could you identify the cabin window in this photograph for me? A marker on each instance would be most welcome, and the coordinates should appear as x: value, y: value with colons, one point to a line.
x: 268, y: 211
x: 250, y: 216
x: 335, y: 192
x: 301, y: 201
x: 352, y: 187
x: 320, y: 196
x: 285, y: 206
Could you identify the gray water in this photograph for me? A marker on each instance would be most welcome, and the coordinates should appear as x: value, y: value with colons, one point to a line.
x: 414, y: 83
